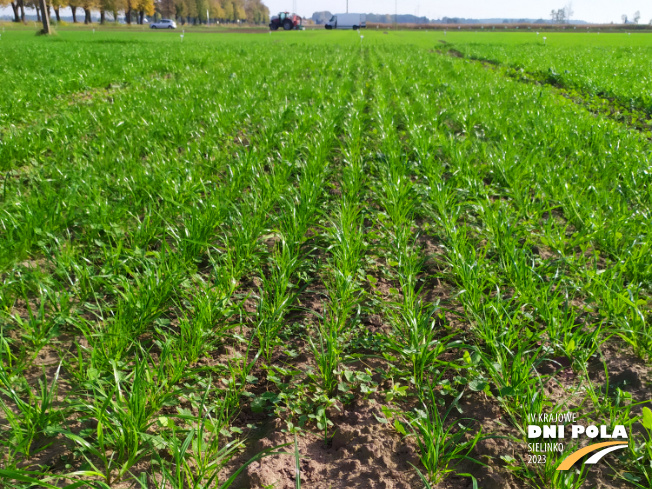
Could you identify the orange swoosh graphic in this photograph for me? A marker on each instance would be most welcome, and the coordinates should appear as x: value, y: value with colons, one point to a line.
x: 575, y: 456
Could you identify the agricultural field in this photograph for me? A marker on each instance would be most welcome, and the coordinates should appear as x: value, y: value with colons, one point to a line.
x: 612, y: 68
x: 323, y: 259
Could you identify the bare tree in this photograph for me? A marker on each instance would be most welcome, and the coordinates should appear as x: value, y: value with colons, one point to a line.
x: 568, y: 11
x: 637, y: 17
x: 624, y: 17
x: 558, y: 16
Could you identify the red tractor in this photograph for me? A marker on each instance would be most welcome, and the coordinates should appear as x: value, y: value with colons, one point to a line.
x: 286, y: 20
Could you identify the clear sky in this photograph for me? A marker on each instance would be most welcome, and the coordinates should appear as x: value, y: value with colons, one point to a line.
x: 598, y: 11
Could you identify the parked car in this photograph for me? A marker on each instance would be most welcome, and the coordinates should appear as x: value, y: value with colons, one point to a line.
x: 163, y: 24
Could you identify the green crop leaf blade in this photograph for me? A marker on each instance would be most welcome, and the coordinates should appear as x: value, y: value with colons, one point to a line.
x: 646, y: 420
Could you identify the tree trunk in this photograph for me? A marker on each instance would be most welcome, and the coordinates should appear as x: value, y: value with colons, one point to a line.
x: 56, y: 12
x: 128, y: 14
x: 45, y: 17
x: 102, y: 17
x: 14, y: 7
x: 87, y: 16
x: 22, y: 11
x: 142, y: 17
x: 74, y: 14
x: 38, y: 13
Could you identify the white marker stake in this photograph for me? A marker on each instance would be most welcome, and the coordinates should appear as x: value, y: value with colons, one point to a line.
x: 181, y: 37
x: 544, y: 39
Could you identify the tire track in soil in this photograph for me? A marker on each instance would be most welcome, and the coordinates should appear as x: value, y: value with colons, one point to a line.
x: 611, y: 107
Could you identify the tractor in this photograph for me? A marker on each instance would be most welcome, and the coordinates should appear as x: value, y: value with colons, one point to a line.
x: 286, y: 20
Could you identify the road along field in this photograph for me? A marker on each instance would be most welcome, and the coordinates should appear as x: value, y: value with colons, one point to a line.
x: 324, y: 260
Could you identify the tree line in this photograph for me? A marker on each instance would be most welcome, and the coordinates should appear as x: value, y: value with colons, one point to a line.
x: 135, y: 11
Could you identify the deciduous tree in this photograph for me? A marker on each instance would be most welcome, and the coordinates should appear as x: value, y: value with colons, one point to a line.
x: 180, y: 10
x: 239, y: 10
x: 56, y: 6
x: 167, y: 8
x: 128, y: 8
x: 202, y: 7
x: 15, y: 8
x: 73, y: 4
x: 217, y: 12
x: 144, y: 7
x: 191, y: 10
x: 88, y: 6
x: 227, y: 6
x: 558, y: 16
x: 112, y: 7
x: 256, y: 12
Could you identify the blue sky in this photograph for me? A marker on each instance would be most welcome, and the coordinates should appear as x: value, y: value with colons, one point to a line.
x: 590, y: 10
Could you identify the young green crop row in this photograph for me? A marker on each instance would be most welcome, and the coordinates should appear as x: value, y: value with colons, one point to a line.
x: 152, y: 242
x: 163, y: 253
x: 501, y: 197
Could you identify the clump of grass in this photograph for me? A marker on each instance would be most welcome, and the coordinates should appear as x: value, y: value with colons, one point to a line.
x: 443, y: 443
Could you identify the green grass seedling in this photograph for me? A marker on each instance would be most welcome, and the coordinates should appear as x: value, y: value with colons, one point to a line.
x: 34, y: 417
x: 39, y: 327
x: 123, y: 416
x: 441, y: 446
x: 328, y: 349
x: 640, y: 454
x: 276, y: 298
x: 415, y: 339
